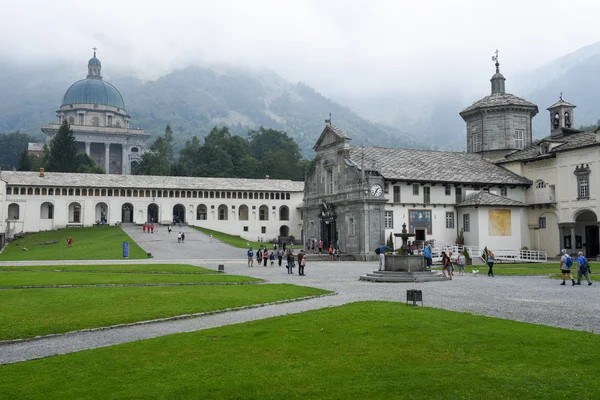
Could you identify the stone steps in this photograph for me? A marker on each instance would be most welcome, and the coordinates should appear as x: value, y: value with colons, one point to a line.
x: 398, y: 276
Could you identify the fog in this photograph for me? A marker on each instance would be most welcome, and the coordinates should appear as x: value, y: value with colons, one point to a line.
x: 353, y: 47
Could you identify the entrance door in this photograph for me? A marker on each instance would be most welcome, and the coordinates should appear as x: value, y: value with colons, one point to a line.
x: 592, y: 245
x: 127, y: 213
x: 152, y: 213
x: 179, y: 214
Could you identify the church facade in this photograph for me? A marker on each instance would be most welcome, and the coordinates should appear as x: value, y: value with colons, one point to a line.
x: 96, y: 113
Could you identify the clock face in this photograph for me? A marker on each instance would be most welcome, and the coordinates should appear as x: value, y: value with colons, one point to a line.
x: 376, y: 190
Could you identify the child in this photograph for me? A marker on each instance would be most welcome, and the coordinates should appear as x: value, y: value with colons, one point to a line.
x: 272, y: 258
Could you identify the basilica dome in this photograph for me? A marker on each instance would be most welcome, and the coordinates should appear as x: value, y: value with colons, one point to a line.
x: 93, y: 90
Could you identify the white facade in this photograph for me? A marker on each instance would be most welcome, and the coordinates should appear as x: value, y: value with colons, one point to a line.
x: 36, y: 203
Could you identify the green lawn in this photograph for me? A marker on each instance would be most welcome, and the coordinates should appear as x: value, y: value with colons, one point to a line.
x: 549, y: 269
x: 32, y: 312
x: 94, y: 243
x: 29, y: 278
x: 369, y: 350
x: 123, y: 268
x: 235, y: 241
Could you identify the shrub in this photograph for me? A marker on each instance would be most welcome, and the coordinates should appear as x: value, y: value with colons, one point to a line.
x: 390, y: 242
x: 466, y: 254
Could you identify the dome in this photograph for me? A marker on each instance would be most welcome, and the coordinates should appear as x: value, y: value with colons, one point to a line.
x: 94, y: 61
x: 93, y: 91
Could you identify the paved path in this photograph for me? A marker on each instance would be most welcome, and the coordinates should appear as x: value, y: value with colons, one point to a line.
x: 530, y: 299
x: 197, y: 245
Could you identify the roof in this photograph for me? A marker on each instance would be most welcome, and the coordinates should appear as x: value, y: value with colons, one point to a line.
x: 60, y: 179
x: 571, y: 141
x: 330, y: 133
x: 94, y: 61
x: 560, y: 103
x: 434, y: 166
x: 35, y: 146
x: 499, y: 100
x: 488, y: 199
x: 93, y: 91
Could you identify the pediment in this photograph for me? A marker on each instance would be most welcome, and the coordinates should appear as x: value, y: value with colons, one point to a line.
x: 331, y: 136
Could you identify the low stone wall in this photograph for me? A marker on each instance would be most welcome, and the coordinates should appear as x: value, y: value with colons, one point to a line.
x: 404, y: 263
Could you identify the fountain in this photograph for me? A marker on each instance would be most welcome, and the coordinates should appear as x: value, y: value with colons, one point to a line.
x: 403, y: 267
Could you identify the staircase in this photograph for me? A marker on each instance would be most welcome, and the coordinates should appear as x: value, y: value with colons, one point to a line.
x: 399, y: 276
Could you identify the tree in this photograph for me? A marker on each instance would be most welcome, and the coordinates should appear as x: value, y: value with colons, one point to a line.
x: 24, y: 161
x: 63, y: 151
x: 159, y: 160
x: 86, y: 165
x: 11, y: 147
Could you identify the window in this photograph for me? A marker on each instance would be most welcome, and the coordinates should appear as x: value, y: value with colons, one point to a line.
x: 263, y: 213
x: 519, y: 138
x: 201, y: 212
x: 222, y: 212
x: 351, y: 227
x: 80, y: 119
x: 9, y: 190
x: 396, y: 194
x: 542, y: 222
x: 458, y: 195
x: 466, y: 223
x: 449, y: 220
x: 389, y: 220
x: 415, y: 189
x: 503, y: 192
x: 263, y: 229
x: 427, y: 194
x: 583, y: 189
x: 245, y: 229
x: 540, y: 184
x: 476, y: 147
x: 447, y: 190
x: 110, y: 120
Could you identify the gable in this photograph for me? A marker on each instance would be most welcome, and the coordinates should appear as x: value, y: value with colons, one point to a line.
x: 330, y: 137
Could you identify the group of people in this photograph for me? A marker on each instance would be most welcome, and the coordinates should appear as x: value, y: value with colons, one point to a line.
x: 449, y: 261
x: 263, y: 256
x: 583, y: 268
x: 148, y: 228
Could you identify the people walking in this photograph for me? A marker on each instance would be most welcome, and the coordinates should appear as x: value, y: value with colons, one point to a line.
x: 330, y: 251
x: 301, y: 262
x: 265, y: 257
x: 272, y: 258
x: 583, y: 269
x: 210, y: 238
x: 279, y: 255
x: 446, y: 265
x: 427, y: 255
x: 461, y: 261
x: 182, y: 237
x: 259, y: 256
x: 490, y: 262
x: 565, y: 266
x: 250, y: 257
x: 169, y: 229
x: 320, y: 246
x: 290, y: 261
x: 179, y: 237
x: 381, y: 252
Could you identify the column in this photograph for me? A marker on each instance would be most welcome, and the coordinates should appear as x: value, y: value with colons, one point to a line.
x: 107, y: 158
x: 573, y: 239
x: 88, y: 146
x: 124, y: 161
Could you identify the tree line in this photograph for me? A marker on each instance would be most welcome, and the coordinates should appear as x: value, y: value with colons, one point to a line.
x: 263, y: 152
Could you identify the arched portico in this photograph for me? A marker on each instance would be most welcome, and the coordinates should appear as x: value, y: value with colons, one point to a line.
x: 75, y: 213
x: 284, y: 231
x: 587, y: 237
x: 179, y: 214
x: 101, y: 213
x: 127, y: 213
x: 152, y: 213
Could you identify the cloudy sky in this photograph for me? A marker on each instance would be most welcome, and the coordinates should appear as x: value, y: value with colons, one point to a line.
x: 353, y: 46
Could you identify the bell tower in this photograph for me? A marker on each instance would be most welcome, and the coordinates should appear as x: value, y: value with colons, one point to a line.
x: 561, y: 117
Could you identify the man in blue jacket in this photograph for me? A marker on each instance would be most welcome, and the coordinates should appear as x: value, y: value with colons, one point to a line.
x: 583, y: 269
x: 427, y: 255
x: 382, y: 249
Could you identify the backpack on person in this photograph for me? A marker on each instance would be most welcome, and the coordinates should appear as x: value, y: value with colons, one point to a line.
x: 378, y: 251
x: 586, y: 265
x: 568, y: 261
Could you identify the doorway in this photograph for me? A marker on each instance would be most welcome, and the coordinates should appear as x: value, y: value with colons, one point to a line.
x: 152, y: 213
x: 179, y: 214
x: 592, y: 245
x: 127, y: 213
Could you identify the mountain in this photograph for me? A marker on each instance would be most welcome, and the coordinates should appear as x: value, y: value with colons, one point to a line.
x: 193, y: 100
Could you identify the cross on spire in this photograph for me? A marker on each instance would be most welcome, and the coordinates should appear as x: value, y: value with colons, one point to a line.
x: 561, y: 96
x: 328, y: 121
x: 495, y: 58
x: 94, y: 48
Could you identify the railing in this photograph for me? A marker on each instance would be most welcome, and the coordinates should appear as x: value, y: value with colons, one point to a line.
x: 477, y: 252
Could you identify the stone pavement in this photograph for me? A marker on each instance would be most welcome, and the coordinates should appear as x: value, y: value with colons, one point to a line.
x: 197, y: 245
x: 530, y: 299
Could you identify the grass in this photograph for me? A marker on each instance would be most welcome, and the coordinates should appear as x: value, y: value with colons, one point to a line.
x: 31, y: 312
x: 124, y: 268
x: 548, y: 269
x: 232, y: 240
x: 29, y: 278
x: 93, y: 243
x: 363, y: 350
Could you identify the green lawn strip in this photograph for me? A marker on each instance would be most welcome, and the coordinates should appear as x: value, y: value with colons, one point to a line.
x: 358, y: 351
x: 548, y: 269
x: 124, y: 268
x: 18, y: 278
x: 93, y: 243
x: 27, y: 313
x: 232, y: 240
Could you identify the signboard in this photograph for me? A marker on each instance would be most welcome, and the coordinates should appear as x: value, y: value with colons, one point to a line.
x: 419, y: 219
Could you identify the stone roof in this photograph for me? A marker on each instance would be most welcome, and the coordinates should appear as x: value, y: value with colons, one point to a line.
x: 434, y: 166
x: 59, y: 179
x: 499, y: 100
x: 571, y: 141
x: 559, y: 103
x: 488, y: 199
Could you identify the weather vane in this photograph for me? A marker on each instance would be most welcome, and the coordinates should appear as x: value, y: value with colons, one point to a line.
x: 328, y: 121
x: 495, y: 58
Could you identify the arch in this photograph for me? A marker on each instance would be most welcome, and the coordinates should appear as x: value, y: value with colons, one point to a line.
x: 243, y: 213
x: 44, y: 191
x: 37, y: 191
x: 77, y: 192
x: 71, y: 192
x: 129, y: 193
x: 71, y: 121
x: 51, y: 192
x: 29, y: 191
x: 135, y: 150
x: 540, y: 184
x: 222, y: 212
x: 263, y: 213
x: 147, y: 193
x: 23, y: 190
x: 272, y: 196
x: 101, y: 213
x: 9, y: 190
x: 47, y: 210
x: 103, y: 192
x: 201, y: 212
x: 75, y: 213
x: 134, y: 165
x: 284, y: 213
x: 152, y: 213
x: 127, y: 213
x: 135, y: 193
x: 585, y: 214
x: 284, y: 231
x: 179, y: 213
x: 13, y: 211
x: 287, y: 196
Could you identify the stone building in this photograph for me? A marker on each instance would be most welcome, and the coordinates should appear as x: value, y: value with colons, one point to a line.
x: 96, y: 112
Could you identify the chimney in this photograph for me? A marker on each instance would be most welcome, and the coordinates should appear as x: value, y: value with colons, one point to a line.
x: 41, y: 172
